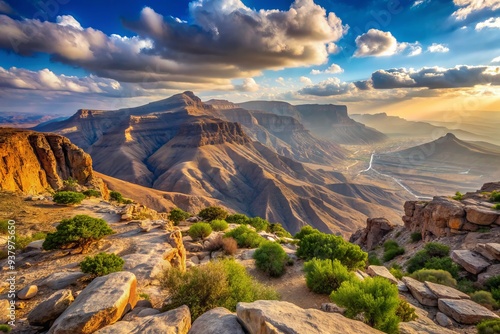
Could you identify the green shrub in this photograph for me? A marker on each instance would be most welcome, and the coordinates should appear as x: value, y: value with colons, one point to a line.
x: 484, y: 298
x: 390, y: 244
x: 306, y: 230
x: 424, y: 258
x: 245, y: 237
x: 271, y: 258
x: 376, y: 300
x: 493, y: 285
x: 443, y: 263
x: 458, y: 196
x: 145, y: 296
x: 199, y: 231
x: 405, y: 312
x: 217, y: 284
x: 396, y: 271
x: 68, y: 197
x: 116, y: 196
x: 392, y: 253
x: 435, y: 276
x: 329, y: 246
x: 79, y: 231
x: 219, y: 225
x: 466, y: 286
x: 177, y: 215
x: 259, y: 224
x: 5, y: 328
x: 435, y: 249
x: 489, y: 326
x: 237, y: 218
x: 102, y: 264
x: 212, y: 213
x: 374, y: 260
x: 279, y: 231
x: 495, y: 196
x: 4, y: 226
x: 496, y: 206
x: 416, y: 236
x: 325, y: 276
x: 23, y: 241
x: 92, y: 193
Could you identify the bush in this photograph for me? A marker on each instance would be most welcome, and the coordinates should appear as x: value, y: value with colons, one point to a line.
x: 199, y: 231
x: 396, y: 271
x: 328, y: 246
x: 237, y: 218
x: 496, y: 206
x: 212, y: 213
x: 495, y: 196
x: 426, y: 258
x: 23, y: 241
x: 214, y: 243
x: 102, y: 264
x: 443, y: 263
x: 405, y: 312
x: 116, y: 196
x: 229, y: 245
x: 325, y: 276
x: 484, y: 298
x: 217, y: 284
x: 306, y: 230
x: 68, y: 197
x: 177, y: 215
x: 376, y: 300
x: 5, y: 328
x: 390, y: 244
x: 489, y: 326
x: 392, y: 253
x: 245, y: 237
x: 92, y: 193
x: 219, y: 225
x: 271, y: 258
x: 436, y: 250
x: 79, y: 231
x: 416, y: 236
x: 435, y: 276
x: 458, y: 196
x: 259, y: 224
x: 374, y: 260
x: 4, y: 226
x: 466, y: 286
x: 279, y: 231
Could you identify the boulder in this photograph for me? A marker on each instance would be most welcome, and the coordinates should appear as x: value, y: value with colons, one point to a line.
x: 480, y: 215
x: 332, y: 308
x: 176, y: 321
x: 179, y: 259
x: 481, y: 249
x: 443, y: 320
x: 139, y: 312
x: 443, y: 291
x: 470, y: 261
x: 35, y: 245
x: 101, y: 303
x: 382, y: 272
x: 61, y: 280
x: 421, y: 292
x: 270, y: 316
x: 369, y: 237
x: 493, y: 270
x: 28, y: 292
x: 51, y: 308
x: 494, y: 249
x: 217, y: 321
x: 465, y: 311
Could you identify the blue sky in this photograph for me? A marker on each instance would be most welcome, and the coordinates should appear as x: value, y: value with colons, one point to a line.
x: 394, y: 56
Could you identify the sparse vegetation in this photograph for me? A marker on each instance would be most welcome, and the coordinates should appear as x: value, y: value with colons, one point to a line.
x: 214, y: 243
x: 102, y: 264
x: 495, y: 196
x: 405, y: 312
x: 70, y: 183
x: 237, y: 218
x: 391, y: 250
x: 306, y: 230
x: 199, y: 231
x: 493, y: 285
x: 5, y: 328
x: 259, y: 224
x: 4, y: 226
x: 92, y: 193
x: 245, y: 237
x: 416, y: 236
x: 145, y: 296
x: 458, y: 196
x: 435, y: 276
x: 489, y: 326
x: 396, y: 271
x: 219, y: 225
x: 217, y: 284
x: 279, y: 231
x: 212, y: 213
x: 466, y: 286
x: 229, y: 245
x: 484, y: 298
x: 177, y: 215
x: 68, y: 197
x: 79, y: 231
x: 23, y: 241
x: 271, y: 258
x: 374, y: 260
x: 496, y: 206
x: 325, y: 276
x: 433, y: 256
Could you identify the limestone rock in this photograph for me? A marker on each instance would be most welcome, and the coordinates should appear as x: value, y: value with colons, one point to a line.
x: 443, y: 320
x: 217, y: 321
x: 494, y: 249
x: 421, y: 292
x: 481, y: 249
x: 471, y: 261
x: 28, y: 292
x: 465, y: 311
x: 102, y: 302
x: 423, y: 325
x: 61, y: 280
x: 493, y: 270
x: 382, y: 272
x: 480, y: 215
x: 48, y: 310
x: 266, y: 316
x: 443, y: 291
x: 376, y: 229
x: 179, y: 259
x: 176, y: 321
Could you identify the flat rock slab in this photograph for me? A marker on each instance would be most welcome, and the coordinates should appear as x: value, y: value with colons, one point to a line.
x: 481, y: 249
x: 270, y: 316
x: 51, y: 308
x: 470, y: 261
x: 381, y: 271
x: 176, y: 321
x: 217, y: 321
x: 465, y: 311
x: 494, y: 249
x: 443, y: 291
x: 101, y: 303
x: 421, y: 292
x: 58, y: 281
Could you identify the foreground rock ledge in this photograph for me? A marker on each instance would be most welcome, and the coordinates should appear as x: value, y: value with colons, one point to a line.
x: 265, y: 317
x: 465, y: 311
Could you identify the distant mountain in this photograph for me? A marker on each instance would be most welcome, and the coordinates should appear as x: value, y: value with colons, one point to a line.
x: 183, y: 146
x: 25, y: 120
x: 329, y: 122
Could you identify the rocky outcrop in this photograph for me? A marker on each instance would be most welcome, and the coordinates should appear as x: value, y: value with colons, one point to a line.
x: 264, y: 317
x: 421, y: 292
x: 217, y: 321
x: 178, y: 257
x: 32, y: 162
x: 443, y: 291
x: 373, y: 233
x: 465, y: 311
x: 51, y: 308
x: 470, y: 261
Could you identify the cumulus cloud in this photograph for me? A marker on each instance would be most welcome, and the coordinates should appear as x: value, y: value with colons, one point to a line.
x: 437, y: 48
x: 68, y: 21
x: 332, y: 69
x: 496, y: 60
x: 377, y: 43
x: 492, y: 22
x: 248, y: 85
x: 329, y: 87
x: 469, y: 7
x: 305, y: 80
x: 281, y: 81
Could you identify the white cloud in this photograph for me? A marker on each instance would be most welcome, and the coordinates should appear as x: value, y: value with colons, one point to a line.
x: 377, y: 43
x: 329, y: 87
x: 305, y: 80
x: 492, y: 22
x: 419, y: 3
x: 281, y: 81
x: 496, y: 60
x: 68, y: 21
x: 248, y: 85
x: 469, y: 7
x: 437, y: 48
x: 412, y: 49
x: 332, y: 69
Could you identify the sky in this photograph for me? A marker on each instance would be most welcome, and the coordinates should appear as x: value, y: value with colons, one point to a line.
x: 402, y: 57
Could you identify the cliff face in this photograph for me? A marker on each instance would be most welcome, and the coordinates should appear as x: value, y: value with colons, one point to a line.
x: 33, y: 162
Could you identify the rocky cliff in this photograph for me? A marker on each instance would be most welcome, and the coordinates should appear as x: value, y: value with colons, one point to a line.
x: 33, y: 162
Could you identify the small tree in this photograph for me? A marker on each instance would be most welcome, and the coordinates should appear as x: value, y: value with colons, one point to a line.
x: 102, y: 264
x: 219, y: 225
x: 212, y: 213
x: 271, y: 258
x: 68, y: 197
x: 199, y: 231
x: 325, y: 276
x: 306, y: 230
x: 79, y: 231
x: 177, y: 215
